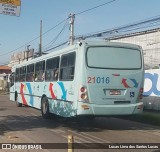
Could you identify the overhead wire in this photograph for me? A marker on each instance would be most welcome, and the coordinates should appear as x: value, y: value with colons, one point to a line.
x: 124, y: 32
x: 35, y: 38
x: 102, y: 32
x: 151, y: 22
x: 95, y: 7
x: 56, y: 26
x: 106, y: 3
x: 142, y: 26
x: 116, y: 29
x: 56, y: 46
x: 58, y: 35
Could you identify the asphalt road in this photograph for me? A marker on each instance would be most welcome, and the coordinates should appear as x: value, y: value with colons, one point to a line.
x: 25, y: 125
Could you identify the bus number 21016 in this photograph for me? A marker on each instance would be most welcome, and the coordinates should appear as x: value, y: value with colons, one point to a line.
x: 98, y: 80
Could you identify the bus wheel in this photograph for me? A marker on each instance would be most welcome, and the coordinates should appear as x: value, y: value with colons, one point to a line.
x: 45, y: 108
x: 17, y: 103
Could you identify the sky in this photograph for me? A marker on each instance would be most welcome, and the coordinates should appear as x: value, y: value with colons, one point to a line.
x: 18, y: 31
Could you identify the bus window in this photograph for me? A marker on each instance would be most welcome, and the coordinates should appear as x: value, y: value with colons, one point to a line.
x: 39, y: 71
x: 23, y: 74
x: 52, y: 69
x: 67, y: 67
x: 30, y: 73
x: 114, y: 58
x: 17, y: 75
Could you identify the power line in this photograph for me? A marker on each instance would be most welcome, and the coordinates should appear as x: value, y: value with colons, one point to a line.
x: 152, y: 24
x: 55, y: 38
x: 56, y: 46
x: 82, y: 13
x: 35, y: 38
x: 57, y: 25
x: 95, y: 7
x: 123, y: 32
x: 118, y: 29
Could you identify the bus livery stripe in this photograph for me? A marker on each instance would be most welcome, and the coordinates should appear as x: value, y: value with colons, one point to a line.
x: 22, y: 95
x: 63, y: 90
x: 30, y: 92
x: 51, y: 91
x: 125, y: 83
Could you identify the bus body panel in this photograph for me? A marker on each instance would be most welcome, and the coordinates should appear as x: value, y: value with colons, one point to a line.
x: 12, y: 95
x: 110, y: 91
x: 120, y: 95
x: 65, y: 104
x: 61, y: 95
x: 106, y: 88
x: 113, y: 91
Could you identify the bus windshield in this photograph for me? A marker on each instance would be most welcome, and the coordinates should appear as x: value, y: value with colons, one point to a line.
x: 113, y: 58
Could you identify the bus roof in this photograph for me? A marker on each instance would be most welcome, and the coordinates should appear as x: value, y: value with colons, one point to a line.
x: 76, y: 45
x: 108, y: 43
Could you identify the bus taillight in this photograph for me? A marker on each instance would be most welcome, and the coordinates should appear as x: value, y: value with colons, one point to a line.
x: 83, y: 95
x: 83, y: 89
x: 141, y: 93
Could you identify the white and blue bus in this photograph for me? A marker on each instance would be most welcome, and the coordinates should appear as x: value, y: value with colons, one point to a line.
x: 89, y: 78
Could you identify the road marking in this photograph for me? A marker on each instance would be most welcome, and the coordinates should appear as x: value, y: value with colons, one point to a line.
x: 61, y: 131
x: 96, y: 138
x: 80, y: 140
x: 154, y: 132
x: 57, y: 130
x: 83, y: 137
x: 65, y: 135
x: 157, y: 133
x: 90, y: 137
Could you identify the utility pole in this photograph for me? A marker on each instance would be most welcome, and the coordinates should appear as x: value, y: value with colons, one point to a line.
x: 71, y: 38
x: 40, y: 45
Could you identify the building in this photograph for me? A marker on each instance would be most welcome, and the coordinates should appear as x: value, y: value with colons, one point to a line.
x: 4, y: 72
x: 20, y: 57
x: 5, y: 69
x: 150, y: 42
x: 23, y: 56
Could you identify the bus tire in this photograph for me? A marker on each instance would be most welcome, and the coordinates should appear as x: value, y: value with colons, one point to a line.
x: 16, y: 100
x: 45, y: 108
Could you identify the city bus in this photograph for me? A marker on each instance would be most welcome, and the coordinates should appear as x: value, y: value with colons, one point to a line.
x: 89, y: 78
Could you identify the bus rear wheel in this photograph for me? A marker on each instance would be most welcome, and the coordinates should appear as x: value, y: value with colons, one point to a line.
x: 16, y: 100
x: 45, y: 108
